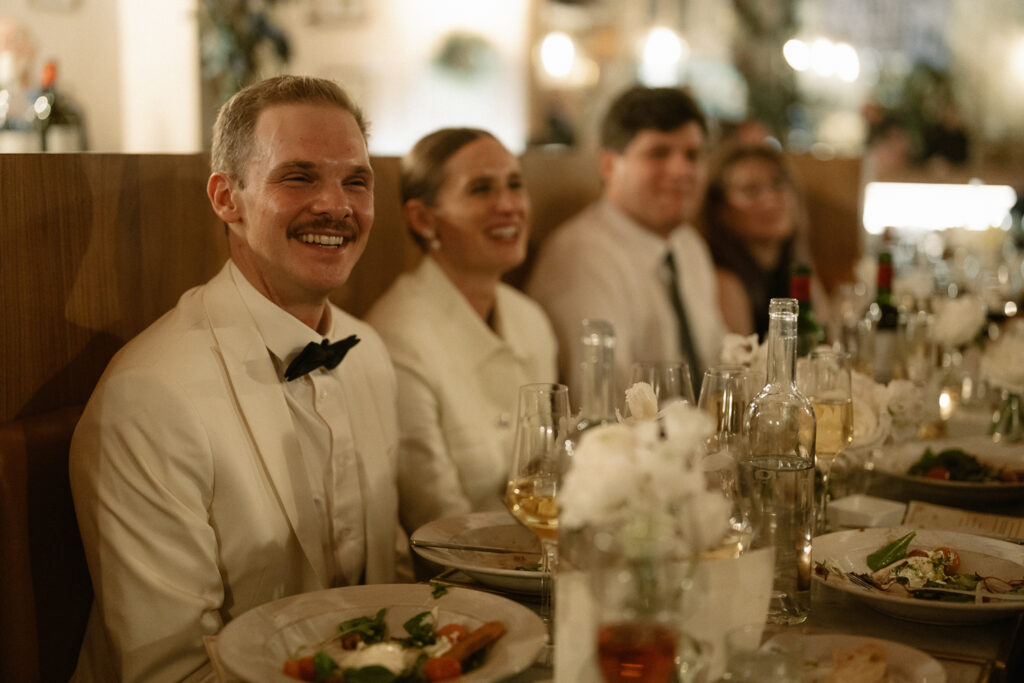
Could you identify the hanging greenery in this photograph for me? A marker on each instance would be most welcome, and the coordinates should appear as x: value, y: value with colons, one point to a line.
x: 763, y: 29
x: 233, y: 35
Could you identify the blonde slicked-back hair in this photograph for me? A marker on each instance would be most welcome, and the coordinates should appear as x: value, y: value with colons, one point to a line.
x: 234, y: 129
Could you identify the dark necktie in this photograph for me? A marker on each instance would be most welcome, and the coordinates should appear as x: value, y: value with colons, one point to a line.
x: 685, y: 339
x: 316, y: 355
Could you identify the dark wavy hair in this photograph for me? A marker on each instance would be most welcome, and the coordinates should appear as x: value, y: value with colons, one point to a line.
x: 640, y: 108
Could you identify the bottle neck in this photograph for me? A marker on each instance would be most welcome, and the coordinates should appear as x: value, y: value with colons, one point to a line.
x: 884, y: 281
x: 597, y: 373
x: 782, y: 341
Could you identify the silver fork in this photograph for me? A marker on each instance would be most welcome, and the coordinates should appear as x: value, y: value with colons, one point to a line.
x: 858, y: 580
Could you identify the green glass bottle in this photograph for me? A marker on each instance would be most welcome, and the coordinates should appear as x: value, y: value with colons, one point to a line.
x: 809, y: 333
x: 885, y: 319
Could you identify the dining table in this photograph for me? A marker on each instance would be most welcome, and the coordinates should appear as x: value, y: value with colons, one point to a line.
x: 991, y: 652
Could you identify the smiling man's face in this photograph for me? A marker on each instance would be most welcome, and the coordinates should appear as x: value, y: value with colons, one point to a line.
x: 658, y: 178
x: 301, y: 219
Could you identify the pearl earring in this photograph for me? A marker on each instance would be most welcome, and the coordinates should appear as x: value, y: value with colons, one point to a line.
x: 432, y: 240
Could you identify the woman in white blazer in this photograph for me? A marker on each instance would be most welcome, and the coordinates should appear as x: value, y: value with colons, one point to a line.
x: 461, y: 340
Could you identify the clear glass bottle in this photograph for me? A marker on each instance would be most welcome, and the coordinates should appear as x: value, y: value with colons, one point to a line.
x: 777, y: 470
x: 58, y: 121
x: 597, y: 374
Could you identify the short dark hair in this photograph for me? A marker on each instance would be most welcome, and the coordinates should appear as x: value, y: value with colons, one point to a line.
x: 234, y: 129
x: 639, y: 108
x: 423, y: 167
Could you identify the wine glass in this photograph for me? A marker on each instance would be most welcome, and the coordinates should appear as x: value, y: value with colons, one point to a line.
x: 829, y: 389
x: 669, y: 379
x: 539, y: 457
x: 724, y: 395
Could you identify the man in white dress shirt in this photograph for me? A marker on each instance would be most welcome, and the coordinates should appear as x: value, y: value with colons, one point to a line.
x: 210, y: 473
x: 631, y: 258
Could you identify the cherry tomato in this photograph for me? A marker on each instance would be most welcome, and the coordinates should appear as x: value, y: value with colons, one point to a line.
x: 938, y: 472
x: 454, y: 632
x: 442, y: 668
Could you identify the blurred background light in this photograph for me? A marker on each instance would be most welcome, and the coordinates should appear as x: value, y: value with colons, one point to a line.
x: 662, y: 53
x: 922, y: 207
x: 557, y: 54
x: 823, y: 58
x: 797, y: 54
x: 847, y: 64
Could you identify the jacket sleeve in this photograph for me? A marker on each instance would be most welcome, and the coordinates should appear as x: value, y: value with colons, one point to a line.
x: 142, y: 478
x: 428, y: 481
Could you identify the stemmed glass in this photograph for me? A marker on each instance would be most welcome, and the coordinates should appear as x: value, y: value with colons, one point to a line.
x: 724, y: 395
x: 669, y: 379
x: 539, y: 459
x: 829, y: 389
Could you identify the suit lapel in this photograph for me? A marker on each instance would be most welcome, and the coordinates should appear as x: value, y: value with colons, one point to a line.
x: 257, y: 390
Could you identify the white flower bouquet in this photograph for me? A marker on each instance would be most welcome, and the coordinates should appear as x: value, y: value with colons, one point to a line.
x: 647, y: 472
x: 908, y: 408
x: 744, y: 350
x: 958, y: 321
x: 1002, y: 364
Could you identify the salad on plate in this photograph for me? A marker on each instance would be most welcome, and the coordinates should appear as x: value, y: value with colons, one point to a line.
x: 363, y: 651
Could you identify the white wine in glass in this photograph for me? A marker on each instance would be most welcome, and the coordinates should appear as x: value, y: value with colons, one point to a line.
x: 539, y: 458
x: 532, y: 501
x: 831, y: 396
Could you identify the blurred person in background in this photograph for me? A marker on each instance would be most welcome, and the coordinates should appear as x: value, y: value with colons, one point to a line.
x: 461, y: 340
x: 631, y: 258
x: 755, y: 224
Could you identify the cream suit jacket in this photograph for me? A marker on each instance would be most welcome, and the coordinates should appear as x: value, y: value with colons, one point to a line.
x: 192, y: 498
x: 458, y: 383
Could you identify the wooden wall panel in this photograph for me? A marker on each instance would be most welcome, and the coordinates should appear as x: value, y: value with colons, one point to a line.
x: 92, y: 249
x: 832, y: 191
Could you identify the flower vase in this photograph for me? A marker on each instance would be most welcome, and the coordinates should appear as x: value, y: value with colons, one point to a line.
x: 1008, y: 419
x: 624, y: 585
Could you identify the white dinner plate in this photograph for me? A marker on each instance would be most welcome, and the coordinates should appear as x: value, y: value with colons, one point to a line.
x: 896, y: 460
x: 847, y: 551
x: 512, y: 571
x: 904, y: 664
x: 256, y: 645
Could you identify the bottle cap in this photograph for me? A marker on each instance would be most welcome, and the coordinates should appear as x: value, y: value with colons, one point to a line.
x: 49, y: 75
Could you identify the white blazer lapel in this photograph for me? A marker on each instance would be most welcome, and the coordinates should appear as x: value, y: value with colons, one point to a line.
x: 258, y: 392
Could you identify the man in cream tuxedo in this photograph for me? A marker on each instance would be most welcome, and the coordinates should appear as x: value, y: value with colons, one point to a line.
x: 205, y: 483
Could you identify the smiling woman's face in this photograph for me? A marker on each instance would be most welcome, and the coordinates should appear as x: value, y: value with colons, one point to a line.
x: 482, y: 213
x: 760, y: 203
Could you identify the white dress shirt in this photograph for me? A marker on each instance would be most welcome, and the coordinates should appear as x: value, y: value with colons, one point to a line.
x: 458, y: 383
x: 602, y: 264
x: 317, y: 405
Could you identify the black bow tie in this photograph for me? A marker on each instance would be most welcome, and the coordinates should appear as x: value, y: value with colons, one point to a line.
x: 314, y: 355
